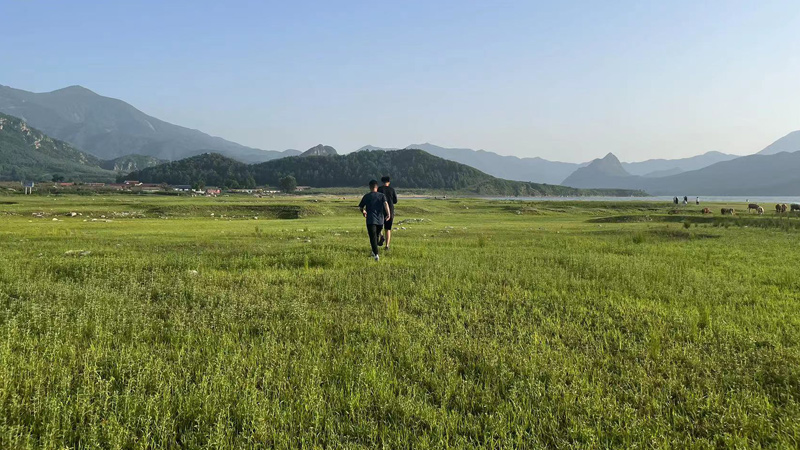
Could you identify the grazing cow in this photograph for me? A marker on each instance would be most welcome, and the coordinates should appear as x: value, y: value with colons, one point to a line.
x: 760, y: 210
x: 778, y: 208
x: 783, y: 208
x: 706, y: 211
x: 752, y: 206
x: 729, y: 211
x: 795, y: 207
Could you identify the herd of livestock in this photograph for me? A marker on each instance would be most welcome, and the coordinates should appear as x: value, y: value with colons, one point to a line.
x: 780, y: 208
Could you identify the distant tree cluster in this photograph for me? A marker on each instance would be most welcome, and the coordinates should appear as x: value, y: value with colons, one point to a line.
x: 210, y: 169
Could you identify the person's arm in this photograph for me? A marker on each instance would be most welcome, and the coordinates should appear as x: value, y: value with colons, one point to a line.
x: 388, y: 213
x: 362, y: 206
x: 394, y: 197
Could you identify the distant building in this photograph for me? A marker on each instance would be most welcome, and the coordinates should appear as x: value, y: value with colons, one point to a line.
x: 131, y: 183
x: 148, y: 187
x: 302, y: 188
x: 182, y: 188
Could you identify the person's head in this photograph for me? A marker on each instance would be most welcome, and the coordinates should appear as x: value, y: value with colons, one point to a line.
x: 385, y: 180
x: 373, y: 185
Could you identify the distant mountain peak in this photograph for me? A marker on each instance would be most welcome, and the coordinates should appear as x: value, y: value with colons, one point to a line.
x: 320, y: 150
x: 75, y: 90
x: 608, y: 165
x: 109, y: 128
x: 789, y: 143
x: 75, y: 87
x: 610, y: 157
x: 604, y: 172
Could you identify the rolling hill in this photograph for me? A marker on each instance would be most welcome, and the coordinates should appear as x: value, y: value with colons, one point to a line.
x: 28, y: 154
x: 411, y: 169
x: 109, y: 128
x: 210, y: 169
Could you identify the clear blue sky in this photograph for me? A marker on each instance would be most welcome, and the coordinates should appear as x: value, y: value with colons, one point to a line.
x: 561, y: 80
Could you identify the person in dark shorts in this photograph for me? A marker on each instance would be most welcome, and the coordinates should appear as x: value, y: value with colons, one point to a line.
x: 376, y: 210
x: 391, y: 199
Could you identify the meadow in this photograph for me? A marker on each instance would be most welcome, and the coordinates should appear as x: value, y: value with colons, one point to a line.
x: 238, y: 322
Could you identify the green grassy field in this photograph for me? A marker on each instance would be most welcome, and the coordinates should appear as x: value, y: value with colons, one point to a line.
x: 159, y: 322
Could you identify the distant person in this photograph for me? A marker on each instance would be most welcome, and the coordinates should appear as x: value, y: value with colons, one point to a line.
x: 697, y: 200
x: 391, y: 200
x: 685, y: 199
x: 675, y: 200
x: 376, y: 210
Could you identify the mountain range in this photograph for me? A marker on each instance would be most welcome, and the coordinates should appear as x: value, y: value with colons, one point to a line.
x: 554, y: 172
x: 416, y: 169
x: 109, y: 128
x: 655, y: 168
x: 93, y: 136
x: 509, y: 167
x: 759, y: 174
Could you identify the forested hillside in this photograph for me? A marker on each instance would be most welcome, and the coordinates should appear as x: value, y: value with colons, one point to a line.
x: 28, y: 154
x: 210, y: 169
x: 410, y: 169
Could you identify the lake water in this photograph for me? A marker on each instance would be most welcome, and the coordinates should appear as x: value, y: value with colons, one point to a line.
x: 710, y: 199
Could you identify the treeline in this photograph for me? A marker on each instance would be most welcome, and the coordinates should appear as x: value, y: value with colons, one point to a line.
x: 410, y: 169
x: 209, y: 169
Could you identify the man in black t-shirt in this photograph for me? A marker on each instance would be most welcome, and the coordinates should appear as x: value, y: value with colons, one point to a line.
x: 376, y: 210
x: 391, y: 199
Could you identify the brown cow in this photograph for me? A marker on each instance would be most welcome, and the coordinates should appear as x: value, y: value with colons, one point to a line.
x: 778, y: 208
x: 706, y: 211
x: 730, y: 211
x: 760, y: 210
x: 783, y: 208
x: 752, y: 206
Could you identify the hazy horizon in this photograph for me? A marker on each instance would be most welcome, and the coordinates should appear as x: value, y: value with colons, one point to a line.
x: 566, y: 82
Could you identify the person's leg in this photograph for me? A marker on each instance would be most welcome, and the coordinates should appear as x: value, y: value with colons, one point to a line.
x: 379, y: 231
x: 372, y: 230
x: 388, y: 233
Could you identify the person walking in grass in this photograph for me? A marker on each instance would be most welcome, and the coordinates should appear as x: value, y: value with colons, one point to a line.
x: 391, y: 200
x: 376, y: 210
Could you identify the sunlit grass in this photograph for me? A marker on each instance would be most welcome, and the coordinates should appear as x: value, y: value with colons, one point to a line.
x: 489, y: 324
